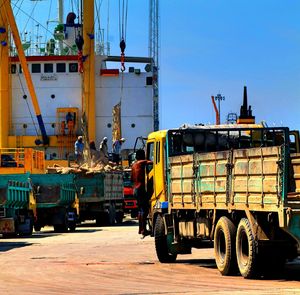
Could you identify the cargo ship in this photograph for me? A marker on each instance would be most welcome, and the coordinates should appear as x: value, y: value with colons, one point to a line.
x: 69, y: 81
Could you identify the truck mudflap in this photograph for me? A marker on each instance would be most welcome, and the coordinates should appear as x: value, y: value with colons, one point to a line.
x: 7, y: 226
x: 292, y: 225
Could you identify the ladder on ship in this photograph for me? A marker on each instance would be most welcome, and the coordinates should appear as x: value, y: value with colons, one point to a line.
x: 67, y: 125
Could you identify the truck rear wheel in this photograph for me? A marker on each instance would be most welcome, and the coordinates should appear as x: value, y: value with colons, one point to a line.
x: 111, y: 214
x: 224, y: 246
x: 119, y: 217
x: 161, y: 244
x: 246, y: 250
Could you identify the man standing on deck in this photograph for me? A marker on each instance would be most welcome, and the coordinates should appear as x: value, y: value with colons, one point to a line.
x: 103, y: 147
x: 138, y: 171
x: 116, y: 150
x: 79, y: 146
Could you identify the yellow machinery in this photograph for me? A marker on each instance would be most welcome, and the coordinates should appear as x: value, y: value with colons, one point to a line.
x: 21, y: 160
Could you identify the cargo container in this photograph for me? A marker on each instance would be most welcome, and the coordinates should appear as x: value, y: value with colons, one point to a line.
x: 56, y: 201
x: 17, y: 205
x: 101, y: 197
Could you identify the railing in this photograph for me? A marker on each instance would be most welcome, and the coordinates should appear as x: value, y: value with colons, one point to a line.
x: 21, y: 160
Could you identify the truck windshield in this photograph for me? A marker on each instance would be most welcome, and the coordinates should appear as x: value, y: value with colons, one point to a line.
x: 203, y: 139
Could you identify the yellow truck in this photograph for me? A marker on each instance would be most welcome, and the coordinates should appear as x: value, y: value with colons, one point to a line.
x: 232, y: 187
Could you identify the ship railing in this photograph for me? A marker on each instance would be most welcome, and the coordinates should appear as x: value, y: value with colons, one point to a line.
x: 21, y: 160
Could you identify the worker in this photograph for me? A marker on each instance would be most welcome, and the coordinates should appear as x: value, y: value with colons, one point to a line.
x: 138, y: 171
x: 70, y: 122
x: 103, y: 147
x: 116, y: 150
x: 79, y: 146
x: 69, y: 117
x: 94, y: 154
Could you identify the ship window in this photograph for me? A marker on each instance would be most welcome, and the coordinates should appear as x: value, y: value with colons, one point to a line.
x: 149, y: 81
x: 20, y: 69
x: 13, y: 68
x: 36, y: 68
x: 61, y: 68
x: 48, y: 68
x: 73, y: 67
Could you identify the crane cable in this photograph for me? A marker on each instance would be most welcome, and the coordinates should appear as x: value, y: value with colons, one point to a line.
x: 122, y: 30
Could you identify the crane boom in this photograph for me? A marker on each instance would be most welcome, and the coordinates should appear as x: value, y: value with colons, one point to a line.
x: 15, y: 33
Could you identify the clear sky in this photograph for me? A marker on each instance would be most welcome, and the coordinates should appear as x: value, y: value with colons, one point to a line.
x: 212, y: 46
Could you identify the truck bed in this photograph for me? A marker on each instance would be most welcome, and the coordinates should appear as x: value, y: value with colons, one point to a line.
x: 236, y: 179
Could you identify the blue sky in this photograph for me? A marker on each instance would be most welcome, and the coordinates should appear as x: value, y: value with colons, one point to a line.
x: 215, y: 46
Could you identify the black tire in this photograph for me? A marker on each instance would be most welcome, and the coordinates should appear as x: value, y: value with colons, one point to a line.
x: 134, y: 214
x: 72, y: 227
x: 111, y: 215
x: 119, y: 216
x: 37, y: 227
x: 61, y: 228
x: 101, y: 219
x: 161, y: 245
x: 246, y: 250
x: 224, y: 246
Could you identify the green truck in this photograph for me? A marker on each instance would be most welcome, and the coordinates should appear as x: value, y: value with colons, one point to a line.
x: 101, y: 197
x: 236, y: 188
x: 56, y: 201
x: 17, y: 205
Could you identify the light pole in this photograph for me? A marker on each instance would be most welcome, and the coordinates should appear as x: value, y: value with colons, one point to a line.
x: 218, y: 98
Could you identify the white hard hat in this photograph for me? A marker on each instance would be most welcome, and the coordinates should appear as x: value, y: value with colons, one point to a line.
x: 104, y: 138
x: 122, y: 139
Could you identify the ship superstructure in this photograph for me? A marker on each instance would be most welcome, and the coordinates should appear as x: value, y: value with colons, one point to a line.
x: 74, y: 86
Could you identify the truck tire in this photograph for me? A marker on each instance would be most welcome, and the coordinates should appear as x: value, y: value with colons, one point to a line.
x: 72, y: 226
x: 161, y: 244
x: 246, y: 250
x: 111, y: 214
x: 224, y: 246
x: 37, y: 227
x: 119, y: 217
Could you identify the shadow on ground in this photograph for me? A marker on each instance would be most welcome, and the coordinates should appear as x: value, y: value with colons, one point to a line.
x: 91, y: 223
x: 291, y: 271
x: 208, y: 263
x: 7, y: 246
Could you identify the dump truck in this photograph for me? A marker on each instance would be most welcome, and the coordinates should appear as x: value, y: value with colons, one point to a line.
x: 101, y: 197
x: 234, y: 188
x: 57, y: 201
x: 17, y: 205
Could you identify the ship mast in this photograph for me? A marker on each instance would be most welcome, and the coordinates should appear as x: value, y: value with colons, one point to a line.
x: 88, y: 105
x: 60, y: 7
x: 154, y: 54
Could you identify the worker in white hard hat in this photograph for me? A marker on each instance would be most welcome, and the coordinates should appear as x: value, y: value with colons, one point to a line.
x: 103, y: 147
x: 79, y: 146
x: 116, y: 151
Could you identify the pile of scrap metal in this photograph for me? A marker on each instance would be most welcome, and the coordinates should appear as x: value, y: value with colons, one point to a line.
x: 84, y: 168
x: 91, y: 164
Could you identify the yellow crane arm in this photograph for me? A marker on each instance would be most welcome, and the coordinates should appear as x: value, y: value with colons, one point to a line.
x: 16, y: 37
